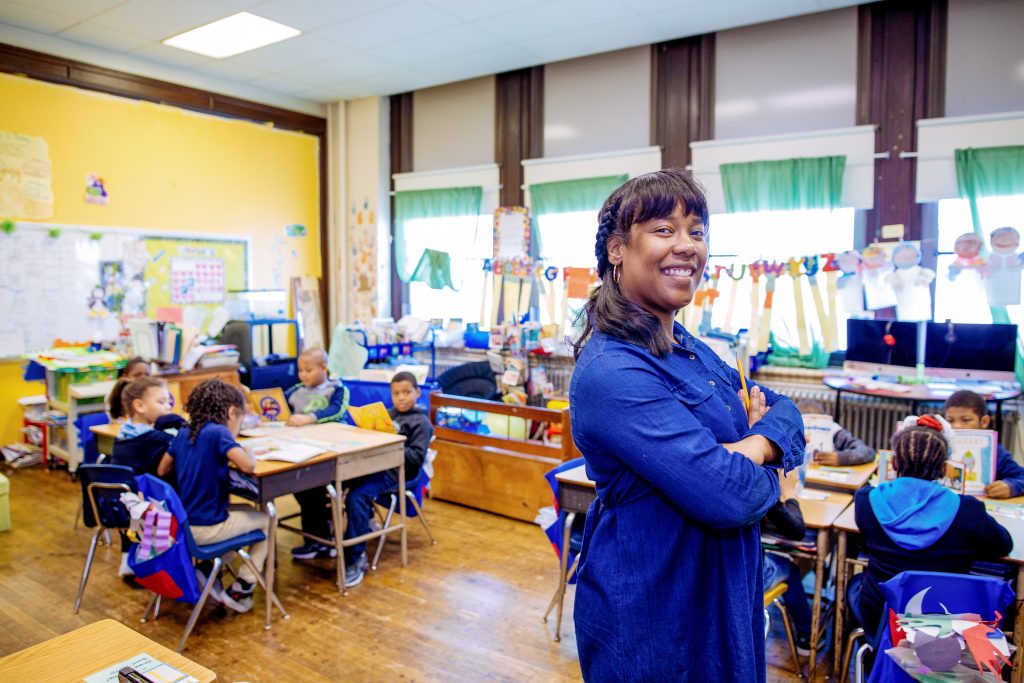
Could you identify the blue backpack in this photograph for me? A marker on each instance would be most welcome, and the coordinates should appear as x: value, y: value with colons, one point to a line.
x: 169, y: 574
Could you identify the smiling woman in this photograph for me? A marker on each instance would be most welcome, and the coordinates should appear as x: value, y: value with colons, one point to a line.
x: 679, y: 462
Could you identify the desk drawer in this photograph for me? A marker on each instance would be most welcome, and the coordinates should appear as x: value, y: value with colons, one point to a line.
x: 573, y: 499
x: 299, y: 479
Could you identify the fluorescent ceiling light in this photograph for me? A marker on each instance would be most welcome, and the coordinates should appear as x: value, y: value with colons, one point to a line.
x: 232, y: 35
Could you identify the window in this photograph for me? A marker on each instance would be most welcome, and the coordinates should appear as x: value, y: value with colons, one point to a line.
x: 963, y: 300
x: 468, y: 241
x: 744, y: 238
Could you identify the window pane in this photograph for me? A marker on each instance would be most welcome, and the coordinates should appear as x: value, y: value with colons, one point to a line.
x: 468, y: 242
x: 567, y: 239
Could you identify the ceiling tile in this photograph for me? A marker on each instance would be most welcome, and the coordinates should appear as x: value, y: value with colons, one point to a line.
x: 400, y: 80
x: 343, y: 68
x: 388, y: 25
x: 287, y: 84
x: 653, y: 6
x: 623, y: 33
x: 287, y: 54
x: 553, y: 18
x: 240, y: 4
x: 307, y: 15
x: 223, y: 68
x: 471, y: 10
x: 98, y: 36
x: 172, y: 56
x: 79, y: 9
x: 480, y: 63
x: 159, y: 19
x: 334, y: 93
x: 23, y: 16
x: 430, y: 47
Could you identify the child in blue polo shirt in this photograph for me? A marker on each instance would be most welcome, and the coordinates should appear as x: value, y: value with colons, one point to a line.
x: 200, y: 454
x: 967, y: 410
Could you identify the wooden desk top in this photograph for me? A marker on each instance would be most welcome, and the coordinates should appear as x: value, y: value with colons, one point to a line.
x: 348, y: 439
x: 88, y: 650
x: 577, y: 475
x: 913, y: 392
x: 848, y: 478
x: 109, y: 430
x: 820, y: 513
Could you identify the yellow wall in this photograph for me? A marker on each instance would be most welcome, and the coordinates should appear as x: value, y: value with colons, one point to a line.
x: 167, y: 169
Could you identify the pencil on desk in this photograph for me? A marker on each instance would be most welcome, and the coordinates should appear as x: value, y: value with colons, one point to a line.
x: 743, y: 383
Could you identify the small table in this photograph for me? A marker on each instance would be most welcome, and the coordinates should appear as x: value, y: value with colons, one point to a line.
x: 915, y: 394
x: 576, y: 491
x: 88, y: 650
x: 846, y: 524
x: 105, y: 436
x: 842, y: 479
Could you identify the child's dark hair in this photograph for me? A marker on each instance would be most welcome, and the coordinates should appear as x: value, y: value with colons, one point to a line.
x: 920, y: 452
x: 132, y: 363
x: 969, y: 400
x: 126, y: 391
x: 644, y: 198
x: 209, y: 402
x: 405, y: 377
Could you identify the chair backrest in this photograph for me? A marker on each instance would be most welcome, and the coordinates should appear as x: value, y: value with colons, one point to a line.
x: 90, y: 453
x: 102, y: 486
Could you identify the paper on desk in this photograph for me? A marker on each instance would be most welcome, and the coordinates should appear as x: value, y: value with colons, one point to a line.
x: 265, y: 429
x: 154, y: 669
x: 809, y: 494
x: 271, y: 448
x: 324, y: 446
x: 831, y: 476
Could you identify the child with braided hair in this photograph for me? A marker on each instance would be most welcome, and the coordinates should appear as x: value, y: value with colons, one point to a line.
x: 914, y: 523
x: 200, y: 454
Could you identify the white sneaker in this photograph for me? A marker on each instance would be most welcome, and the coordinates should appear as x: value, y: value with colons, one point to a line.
x: 125, y: 570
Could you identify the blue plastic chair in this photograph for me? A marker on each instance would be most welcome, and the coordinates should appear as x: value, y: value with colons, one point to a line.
x: 556, y: 533
x: 87, y: 440
x: 414, y: 494
x: 102, y: 486
x: 952, y: 593
x: 213, y: 552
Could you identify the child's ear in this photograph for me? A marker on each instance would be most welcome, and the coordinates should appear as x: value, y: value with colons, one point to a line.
x: 985, y: 421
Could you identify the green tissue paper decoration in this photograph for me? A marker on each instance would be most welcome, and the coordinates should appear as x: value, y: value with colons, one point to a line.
x: 53, y: 233
x: 7, y: 226
x: 96, y: 236
x: 789, y: 357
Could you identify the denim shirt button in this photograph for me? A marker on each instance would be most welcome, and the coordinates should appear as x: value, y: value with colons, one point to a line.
x: 711, y: 382
x: 693, y: 357
x: 729, y: 408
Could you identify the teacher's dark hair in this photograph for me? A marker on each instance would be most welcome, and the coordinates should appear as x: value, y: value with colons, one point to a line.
x: 647, y: 197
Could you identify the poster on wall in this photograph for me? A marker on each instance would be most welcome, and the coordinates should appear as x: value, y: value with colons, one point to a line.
x: 197, y: 281
x: 511, y: 233
x: 25, y: 187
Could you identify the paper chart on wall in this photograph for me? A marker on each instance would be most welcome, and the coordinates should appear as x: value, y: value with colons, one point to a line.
x: 25, y: 177
x: 511, y: 233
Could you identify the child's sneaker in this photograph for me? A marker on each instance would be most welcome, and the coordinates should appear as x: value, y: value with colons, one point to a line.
x: 355, y: 572
x: 313, y: 550
x: 238, y: 596
x: 125, y: 570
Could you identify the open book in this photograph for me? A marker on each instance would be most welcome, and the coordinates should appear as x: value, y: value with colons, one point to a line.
x: 373, y: 416
x: 269, y: 404
x: 271, y: 448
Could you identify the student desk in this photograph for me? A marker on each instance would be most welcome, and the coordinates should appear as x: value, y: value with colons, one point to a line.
x: 843, y: 479
x: 576, y: 491
x: 915, y: 394
x: 846, y: 524
x: 88, y: 650
x: 105, y: 436
x: 353, y: 453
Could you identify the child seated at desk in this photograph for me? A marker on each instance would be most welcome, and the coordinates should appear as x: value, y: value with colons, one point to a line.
x: 142, y: 440
x: 786, y: 519
x: 849, y: 450
x: 966, y: 410
x: 412, y: 421
x: 135, y: 368
x: 315, y: 399
x: 200, y: 454
x: 914, y: 523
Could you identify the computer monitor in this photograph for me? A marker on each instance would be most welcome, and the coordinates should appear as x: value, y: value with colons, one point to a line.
x: 881, y: 347
x: 964, y: 351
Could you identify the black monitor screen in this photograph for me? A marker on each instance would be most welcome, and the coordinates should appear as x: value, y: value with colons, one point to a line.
x: 971, y: 347
x: 865, y: 342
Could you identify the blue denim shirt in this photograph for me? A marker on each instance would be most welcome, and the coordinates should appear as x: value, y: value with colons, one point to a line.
x: 670, y: 585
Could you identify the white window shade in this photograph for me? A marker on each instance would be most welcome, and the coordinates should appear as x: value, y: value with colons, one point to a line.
x: 857, y: 144
x: 484, y: 176
x: 937, y: 140
x: 631, y: 162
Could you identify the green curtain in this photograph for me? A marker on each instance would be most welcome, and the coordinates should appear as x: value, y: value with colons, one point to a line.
x: 567, y: 196
x: 991, y: 172
x: 411, y: 205
x: 783, y: 185
x: 435, y: 269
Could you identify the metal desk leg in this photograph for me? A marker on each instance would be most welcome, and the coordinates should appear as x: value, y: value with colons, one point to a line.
x: 1017, y: 675
x: 336, y: 520
x: 819, y: 579
x: 401, y: 510
x: 269, y: 569
x: 841, y: 578
x: 562, y: 576
x: 839, y: 402
x: 999, y: 417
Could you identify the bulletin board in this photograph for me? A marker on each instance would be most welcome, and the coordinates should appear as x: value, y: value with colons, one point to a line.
x: 76, y: 282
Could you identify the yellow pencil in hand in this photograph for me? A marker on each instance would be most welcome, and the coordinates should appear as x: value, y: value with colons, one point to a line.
x: 743, y: 382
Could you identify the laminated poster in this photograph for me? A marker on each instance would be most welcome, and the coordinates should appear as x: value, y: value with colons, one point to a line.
x: 25, y: 177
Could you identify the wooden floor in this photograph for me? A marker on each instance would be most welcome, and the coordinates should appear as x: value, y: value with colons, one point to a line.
x: 466, y: 609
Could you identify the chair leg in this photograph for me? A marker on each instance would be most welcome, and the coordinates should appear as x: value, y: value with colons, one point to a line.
x: 858, y: 663
x: 789, y: 637
x: 214, y: 575
x: 78, y: 514
x: 156, y: 608
x: 149, y: 606
x: 259, y: 579
x: 106, y: 537
x: 848, y: 652
x: 88, y: 566
x: 387, y: 523
x: 419, y: 513
x: 767, y: 624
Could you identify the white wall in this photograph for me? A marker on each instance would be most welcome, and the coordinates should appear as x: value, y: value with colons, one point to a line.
x: 787, y: 76
x: 598, y: 104
x: 985, y: 57
x: 453, y: 125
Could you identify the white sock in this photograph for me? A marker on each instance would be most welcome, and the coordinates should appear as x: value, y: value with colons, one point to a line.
x: 125, y: 570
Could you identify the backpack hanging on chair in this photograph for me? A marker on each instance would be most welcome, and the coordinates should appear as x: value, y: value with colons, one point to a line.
x: 169, y: 573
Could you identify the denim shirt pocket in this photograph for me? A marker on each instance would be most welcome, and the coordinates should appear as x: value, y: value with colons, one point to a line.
x: 693, y: 393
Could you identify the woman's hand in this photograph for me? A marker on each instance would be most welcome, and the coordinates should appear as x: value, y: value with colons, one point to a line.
x: 755, y: 448
x: 789, y: 483
x: 758, y: 406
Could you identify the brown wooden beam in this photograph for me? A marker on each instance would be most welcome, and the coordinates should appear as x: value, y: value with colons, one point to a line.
x: 400, y: 133
x: 682, y: 96
x: 518, y: 128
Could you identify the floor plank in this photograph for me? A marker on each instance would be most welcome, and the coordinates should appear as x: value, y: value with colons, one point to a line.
x: 466, y: 609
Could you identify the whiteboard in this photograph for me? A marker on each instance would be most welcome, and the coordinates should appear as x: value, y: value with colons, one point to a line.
x: 53, y: 281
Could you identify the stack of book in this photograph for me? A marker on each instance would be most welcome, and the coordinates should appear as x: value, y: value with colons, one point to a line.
x: 22, y: 454
x: 162, y: 341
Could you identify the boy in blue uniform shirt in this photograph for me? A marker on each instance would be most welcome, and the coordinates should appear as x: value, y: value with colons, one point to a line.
x: 314, y: 400
x: 966, y: 410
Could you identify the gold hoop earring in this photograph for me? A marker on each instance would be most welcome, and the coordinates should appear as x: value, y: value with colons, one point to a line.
x: 616, y: 274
